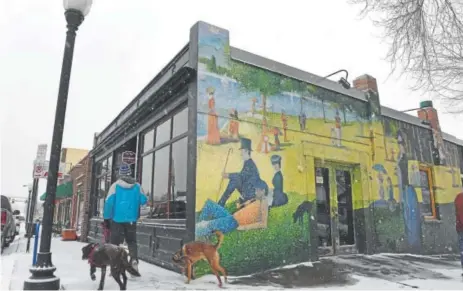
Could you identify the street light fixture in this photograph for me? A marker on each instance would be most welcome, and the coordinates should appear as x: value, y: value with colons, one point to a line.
x: 342, y: 81
x: 43, y: 277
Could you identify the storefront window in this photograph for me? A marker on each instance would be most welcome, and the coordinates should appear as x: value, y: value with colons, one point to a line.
x: 165, y: 179
x: 163, y: 132
x: 179, y: 169
x: 161, y: 175
x: 101, y: 195
x: 147, y: 176
x: 180, y: 123
x: 148, y: 140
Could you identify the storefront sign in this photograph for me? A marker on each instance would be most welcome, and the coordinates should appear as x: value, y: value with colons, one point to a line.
x: 128, y: 157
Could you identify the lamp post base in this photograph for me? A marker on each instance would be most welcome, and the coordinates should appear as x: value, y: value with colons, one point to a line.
x: 42, y: 275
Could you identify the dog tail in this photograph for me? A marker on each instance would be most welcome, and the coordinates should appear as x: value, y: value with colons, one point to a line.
x: 128, y: 266
x: 219, y: 235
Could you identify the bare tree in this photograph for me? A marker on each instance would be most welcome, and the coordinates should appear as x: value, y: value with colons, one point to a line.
x: 426, y: 42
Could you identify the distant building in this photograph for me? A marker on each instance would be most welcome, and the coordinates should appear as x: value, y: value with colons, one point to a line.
x: 70, y: 157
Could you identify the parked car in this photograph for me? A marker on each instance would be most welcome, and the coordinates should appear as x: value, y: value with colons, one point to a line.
x: 18, y: 219
x: 8, y: 222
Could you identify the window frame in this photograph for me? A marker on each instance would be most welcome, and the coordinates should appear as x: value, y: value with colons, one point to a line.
x: 168, y: 118
x: 103, y: 175
x: 432, y: 197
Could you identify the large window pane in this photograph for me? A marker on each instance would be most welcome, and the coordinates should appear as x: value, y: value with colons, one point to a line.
x: 147, y: 180
x: 148, y: 140
x: 161, y: 175
x: 101, y: 195
x: 104, y: 166
x: 180, y: 123
x: 109, y: 165
x: 163, y: 132
x: 178, y: 178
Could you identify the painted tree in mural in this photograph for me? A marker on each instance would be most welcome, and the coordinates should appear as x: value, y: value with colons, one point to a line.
x: 253, y: 79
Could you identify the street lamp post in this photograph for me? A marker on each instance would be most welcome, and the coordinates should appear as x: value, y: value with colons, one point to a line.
x: 28, y: 207
x: 43, y: 277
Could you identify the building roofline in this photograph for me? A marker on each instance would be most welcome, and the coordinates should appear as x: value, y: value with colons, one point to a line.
x: 280, y: 68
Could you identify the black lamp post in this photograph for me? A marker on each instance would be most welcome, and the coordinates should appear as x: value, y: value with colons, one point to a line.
x: 42, y: 273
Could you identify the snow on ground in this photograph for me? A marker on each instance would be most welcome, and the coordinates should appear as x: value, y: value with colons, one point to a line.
x: 74, y: 274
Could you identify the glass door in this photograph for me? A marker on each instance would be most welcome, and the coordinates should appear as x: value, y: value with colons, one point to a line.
x: 335, y: 219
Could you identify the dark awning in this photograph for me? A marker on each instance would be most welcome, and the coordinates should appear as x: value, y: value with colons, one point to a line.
x: 62, y: 191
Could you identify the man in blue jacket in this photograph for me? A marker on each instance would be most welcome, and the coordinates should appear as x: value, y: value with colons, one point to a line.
x: 122, y: 210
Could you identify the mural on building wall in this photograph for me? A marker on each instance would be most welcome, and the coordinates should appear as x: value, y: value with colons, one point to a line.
x: 260, y: 135
x: 254, y: 130
x: 407, y: 147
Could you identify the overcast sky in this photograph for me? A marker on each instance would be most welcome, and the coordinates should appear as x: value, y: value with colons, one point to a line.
x: 122, y: 45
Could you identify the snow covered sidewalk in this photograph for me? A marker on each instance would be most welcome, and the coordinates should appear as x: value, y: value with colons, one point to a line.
x: 361, y: 274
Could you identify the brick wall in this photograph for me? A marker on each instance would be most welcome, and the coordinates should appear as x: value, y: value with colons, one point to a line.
x: 81, y: 175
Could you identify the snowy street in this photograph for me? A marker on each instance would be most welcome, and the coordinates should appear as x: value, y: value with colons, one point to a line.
x: 385, y: 271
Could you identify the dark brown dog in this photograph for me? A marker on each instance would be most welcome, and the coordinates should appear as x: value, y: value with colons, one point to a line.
x: 100, y: 256
x: 195, y: 251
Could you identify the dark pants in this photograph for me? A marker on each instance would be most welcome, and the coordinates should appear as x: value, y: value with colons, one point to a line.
x: 460, y: 242
x: 127, y: 231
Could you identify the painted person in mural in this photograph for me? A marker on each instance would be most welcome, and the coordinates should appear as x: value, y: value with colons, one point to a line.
x: 122, y: 210
x: 276, y: 139
x: 244, y: 182
x: 252, y: 214
x: 384, y: 187
x: 213, y: 133
x: 234, y: 125
x: 408, y: 196
x: 284, y: 121
x: 337, y: 128
x: 277, y: 196
x: 302, y: 120
x: 459, y: 223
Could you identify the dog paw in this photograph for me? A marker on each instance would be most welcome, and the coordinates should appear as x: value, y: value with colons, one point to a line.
x: 93, y: 277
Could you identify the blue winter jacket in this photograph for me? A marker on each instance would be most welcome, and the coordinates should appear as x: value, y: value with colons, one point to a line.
x: 123, y: 202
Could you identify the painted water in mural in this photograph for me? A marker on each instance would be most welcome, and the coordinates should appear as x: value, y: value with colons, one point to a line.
x: 260, y: 137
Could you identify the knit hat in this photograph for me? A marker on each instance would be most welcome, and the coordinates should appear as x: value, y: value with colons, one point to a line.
x: 125, y: 170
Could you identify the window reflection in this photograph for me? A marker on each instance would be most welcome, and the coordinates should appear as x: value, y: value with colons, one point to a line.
x: 163, y: 132
x: 180, y: 123
x: 161, y: 175
x: 148, y: 140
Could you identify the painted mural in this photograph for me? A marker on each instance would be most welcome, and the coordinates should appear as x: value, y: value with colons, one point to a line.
x: 267, y: 146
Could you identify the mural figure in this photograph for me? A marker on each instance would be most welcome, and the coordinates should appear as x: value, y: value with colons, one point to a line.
x: 284, y: 121
x: 264, y: 144
x: 244, y: 182
x: 411, y: 210
x: 337, y: 128
x: 302, y: 120
x: 276, y: 133
x: 277, y: 197
x: 392, y: 203
x: 213, y: 134
x: 381, y: 202
x: 234, y: 125
x: 253, y: 214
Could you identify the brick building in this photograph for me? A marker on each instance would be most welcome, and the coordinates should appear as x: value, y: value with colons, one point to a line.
x: 80, y: 176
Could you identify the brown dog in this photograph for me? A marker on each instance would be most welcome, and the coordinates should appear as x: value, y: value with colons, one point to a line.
x: 192, y: 252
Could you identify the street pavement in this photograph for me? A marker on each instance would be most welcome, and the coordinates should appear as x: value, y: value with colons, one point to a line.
x: 383, y: 271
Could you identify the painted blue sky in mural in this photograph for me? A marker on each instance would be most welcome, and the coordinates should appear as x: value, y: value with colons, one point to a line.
x: 211, y: 42
x: 229, y: 95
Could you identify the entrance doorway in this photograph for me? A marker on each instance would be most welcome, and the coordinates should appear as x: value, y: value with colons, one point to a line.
x: 335, y: 213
